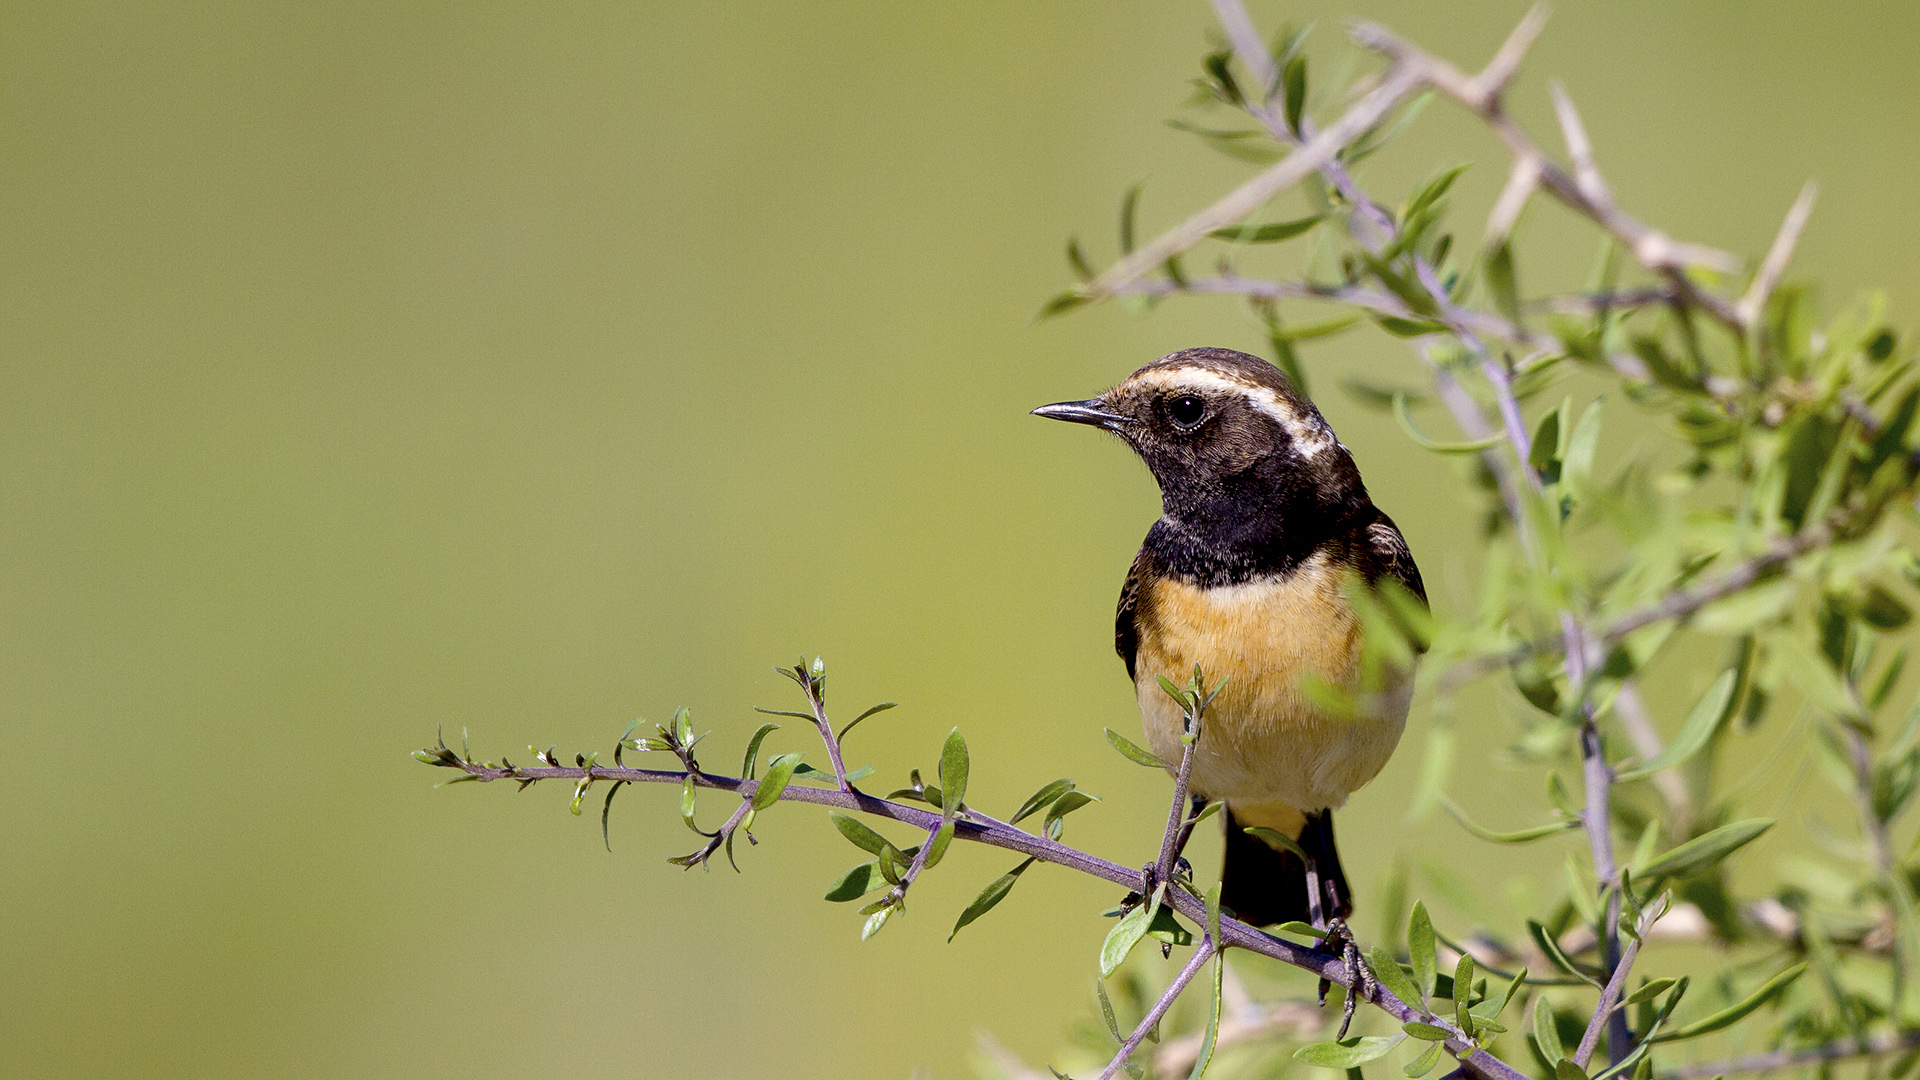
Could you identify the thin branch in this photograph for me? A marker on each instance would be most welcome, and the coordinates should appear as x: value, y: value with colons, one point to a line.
x: 1233, y: 932
x: 1616, y: 985
x: 1249, y: 196
x: 1754, y: 301
x: 1201, y: 954
x: 1194, y: 710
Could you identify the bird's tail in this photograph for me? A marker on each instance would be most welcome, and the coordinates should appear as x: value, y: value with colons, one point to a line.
x: 1262, y: 885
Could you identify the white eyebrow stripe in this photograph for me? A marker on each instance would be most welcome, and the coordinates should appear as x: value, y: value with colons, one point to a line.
x: 1309, y: 437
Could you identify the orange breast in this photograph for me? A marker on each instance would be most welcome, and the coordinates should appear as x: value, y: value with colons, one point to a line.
x: 1264, y: 740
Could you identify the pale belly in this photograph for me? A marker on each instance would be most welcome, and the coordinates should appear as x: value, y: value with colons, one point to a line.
x: 1264, y: 740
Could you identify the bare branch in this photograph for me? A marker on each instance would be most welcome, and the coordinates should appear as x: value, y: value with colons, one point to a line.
x: 1201, y: 954
x: 1754, y: 301
x: 1249, y: 196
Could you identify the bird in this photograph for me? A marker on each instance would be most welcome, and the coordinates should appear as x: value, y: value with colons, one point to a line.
x: 1250, y: 574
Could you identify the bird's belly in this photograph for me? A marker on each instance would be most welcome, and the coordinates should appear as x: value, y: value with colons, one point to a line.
x: 1264, y: 738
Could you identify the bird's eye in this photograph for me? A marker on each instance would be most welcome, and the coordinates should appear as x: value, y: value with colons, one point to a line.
x: 1186, y: 410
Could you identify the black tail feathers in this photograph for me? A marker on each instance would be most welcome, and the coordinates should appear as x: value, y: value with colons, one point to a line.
x: 1263, y: 886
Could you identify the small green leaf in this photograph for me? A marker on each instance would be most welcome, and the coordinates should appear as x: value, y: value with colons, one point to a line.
x: 859, y: 835
x: 1502, y: 282
x: 1278, y: 841
x: 1125, y: 935
x: 1426, y: 1032
x: 1550, y: 946
x: 1519, y: 836
x: 1406, y: 424
x: 1392, y: 975
x: 1212, y: 1037
x: 1568, y: 1069
x: 751, y: 762
x: 1300, y: 928
x: 1649, y: 991
x: 1432, y: 191
x: 953, y: 774
x: 875, y: 921
x: 937, y: 847
x: 1348, y: 1053
x: 1702, y: 852
x: 779, y: 773
x: 1294, y: 78
x: 1167, y: 927
x: 1736, y: 1012
x: 1134, y: 753
x: 856, y: 882
x: 1271, y: 233
x: 1420, y: 948
x: 1713, y: 709
x: 1064, y: 805
x: 1106, y: 1011
x: 686, y: 803
x: 606, y: 808
x: 1544, y: 454
x: 1546, y: 1031
x: 1463, y: 990
x: 990, y: 896
x: 880, y: 708
x: 1423, y: 1064
x: 1039, y: 799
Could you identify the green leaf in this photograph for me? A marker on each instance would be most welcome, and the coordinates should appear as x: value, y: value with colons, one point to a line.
x: 1064, y: 805
x: 953, y: 774
x: 751, y: 762
x: 1519, y: 836
x: 1270, y: 233
x: 880, y: 708
x: 1134, y: 753
x: 1128, y: 205
x: 1432, y: 191
x: 1125, y: 935
x: 1545, y: 451
x: 1420, y: 948
x: 937, y: 847
x: 779, y: 773
x: 859, y: 835
x: 1278, y: 841
x: 1519, y: 979
x: 1734, y: 1013
x: 1039, y: 800
x: 1426, y: 1032
x: 1294, y: 79
x: 1392, y: 975
x: 995, y: 892
x: 1406, y: 424
x: 875, y: 921
x: 1568, y: 1069
x: 1550, y: 946
x: 1106, y: 1011
x: 606, y: 808
x: 1463, y: 990
x: 1702, y: 852
x: 856, y: 882
x: 1712, y: 710
x: 1423, y: 1064
x: 1348, y: 1053
x: 1502, y: 283
x: 1546, y: 1032
x: 1649, y: 991
x: 686, y: 803
x: 1214, y: 1010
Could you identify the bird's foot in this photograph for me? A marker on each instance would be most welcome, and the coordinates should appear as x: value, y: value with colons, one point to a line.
x: 1339, y: 940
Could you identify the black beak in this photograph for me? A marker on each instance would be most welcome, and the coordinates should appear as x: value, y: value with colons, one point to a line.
x: 1092, y: 411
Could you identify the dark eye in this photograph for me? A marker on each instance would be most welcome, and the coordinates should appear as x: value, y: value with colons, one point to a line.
x: 1186, y: 410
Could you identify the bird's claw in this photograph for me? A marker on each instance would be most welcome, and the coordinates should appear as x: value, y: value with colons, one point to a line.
x: 1339, y: 940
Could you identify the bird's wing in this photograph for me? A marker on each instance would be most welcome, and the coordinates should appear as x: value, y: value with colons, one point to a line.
x: 1126, y: 636
x: 1391, y: 557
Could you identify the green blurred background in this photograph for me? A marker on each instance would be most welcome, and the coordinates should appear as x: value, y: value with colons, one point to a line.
x: 367, y: 367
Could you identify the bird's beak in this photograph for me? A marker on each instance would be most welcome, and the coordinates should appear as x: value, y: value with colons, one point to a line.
x: 1091, y: 411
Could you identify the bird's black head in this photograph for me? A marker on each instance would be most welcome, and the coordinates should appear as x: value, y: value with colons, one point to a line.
x: 1238, y: 455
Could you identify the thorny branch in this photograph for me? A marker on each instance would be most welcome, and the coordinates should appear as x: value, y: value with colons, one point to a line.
x: 970, y: 827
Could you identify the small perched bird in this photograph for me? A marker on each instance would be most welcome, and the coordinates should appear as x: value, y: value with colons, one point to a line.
x: 1265, y: 530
